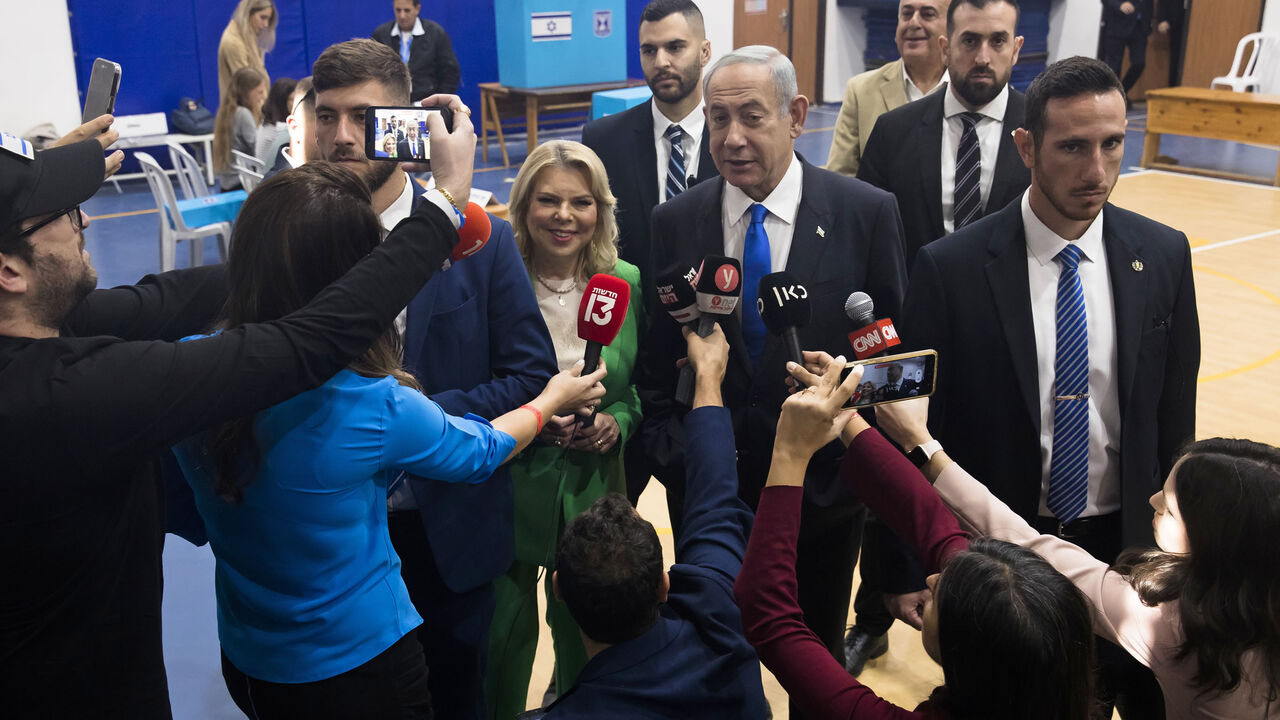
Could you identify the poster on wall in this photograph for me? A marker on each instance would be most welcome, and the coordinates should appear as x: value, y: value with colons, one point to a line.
x: 548, y: 26
x: 756, y: 7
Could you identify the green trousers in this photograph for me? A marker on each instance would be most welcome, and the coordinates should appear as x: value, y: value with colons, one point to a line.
x: 513, y: 640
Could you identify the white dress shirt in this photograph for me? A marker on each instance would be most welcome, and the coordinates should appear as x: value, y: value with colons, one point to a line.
x: 1043, y: 245
x: 988, y: 129
x: 691, y: 124
x: 779, y: 223
x: 914, y: 92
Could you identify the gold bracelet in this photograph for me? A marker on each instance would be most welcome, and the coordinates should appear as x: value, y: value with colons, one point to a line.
x: 449, y: 198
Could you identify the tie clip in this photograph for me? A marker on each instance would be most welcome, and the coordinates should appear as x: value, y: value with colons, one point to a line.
x: 1077, y: 396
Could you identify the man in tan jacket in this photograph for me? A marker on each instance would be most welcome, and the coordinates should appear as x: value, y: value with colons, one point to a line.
x: 875, y: 92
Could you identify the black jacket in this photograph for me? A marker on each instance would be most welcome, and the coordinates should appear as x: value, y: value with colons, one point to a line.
x: 432, y: 64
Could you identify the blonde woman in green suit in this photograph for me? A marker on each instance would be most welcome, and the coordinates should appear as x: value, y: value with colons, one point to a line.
x: 562, y: 212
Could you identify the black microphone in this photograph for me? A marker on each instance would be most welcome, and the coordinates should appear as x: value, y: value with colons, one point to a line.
x: 690, y: 182
x: 676, y: 293
x: 784, y: 306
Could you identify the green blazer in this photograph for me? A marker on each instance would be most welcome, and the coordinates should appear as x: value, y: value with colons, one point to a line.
x: 552, y: 484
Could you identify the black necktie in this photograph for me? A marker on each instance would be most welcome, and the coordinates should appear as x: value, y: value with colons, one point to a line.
x: 967, y: 201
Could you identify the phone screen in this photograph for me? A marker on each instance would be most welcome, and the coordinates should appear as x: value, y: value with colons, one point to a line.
x: 398, y: 133
x: 892, y: 378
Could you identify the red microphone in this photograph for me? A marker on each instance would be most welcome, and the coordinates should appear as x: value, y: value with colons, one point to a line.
x: 873, y: 337
x: 600, y: 315
x: 473, y: 234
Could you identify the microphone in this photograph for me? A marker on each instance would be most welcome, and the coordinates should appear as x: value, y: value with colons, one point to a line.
x: 600, y: 315
x: 473, y: 234
x: 784, y: 306
x: 676, y: 293
x: 717, y: 289
x: 873, y: 337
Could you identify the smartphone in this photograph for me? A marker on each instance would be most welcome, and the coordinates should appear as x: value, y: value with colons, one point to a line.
x: 400, y: 133
x: 893, y: 377
x: 100, y: 98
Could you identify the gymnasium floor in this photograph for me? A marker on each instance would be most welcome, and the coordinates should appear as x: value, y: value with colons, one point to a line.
x: 1234, y: 230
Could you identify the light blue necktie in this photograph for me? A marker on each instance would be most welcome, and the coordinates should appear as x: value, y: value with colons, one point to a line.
x: 675, y: 164
x: 1069, y: 463
x: 406, y: 39
x: 755, y: 265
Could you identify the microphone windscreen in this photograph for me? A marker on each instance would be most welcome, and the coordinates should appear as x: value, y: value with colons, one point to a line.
x: 603, y: 308
x: 860, y: 309
x: 783, y: 302
x: 677, y: 295
x: 719, y: 285
x: 473, y: 234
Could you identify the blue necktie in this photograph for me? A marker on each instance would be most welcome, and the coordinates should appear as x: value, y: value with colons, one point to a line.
x: 405, y: 40
x: 967, y: 200
x: 1069, y: 463
x: 675, y: 164
x: 755, y: 265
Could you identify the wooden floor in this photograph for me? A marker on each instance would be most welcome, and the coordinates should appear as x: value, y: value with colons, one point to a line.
x: 1234, y: 230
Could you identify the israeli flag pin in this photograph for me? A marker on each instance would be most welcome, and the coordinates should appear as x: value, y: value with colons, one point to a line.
x: 1137, y: 266
x: 821, y: 233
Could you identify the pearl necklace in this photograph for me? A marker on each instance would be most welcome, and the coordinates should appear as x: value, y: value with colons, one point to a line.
x: 560, y: 292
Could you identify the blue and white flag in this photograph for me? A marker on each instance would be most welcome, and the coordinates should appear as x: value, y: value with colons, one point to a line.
x: 552, y: 26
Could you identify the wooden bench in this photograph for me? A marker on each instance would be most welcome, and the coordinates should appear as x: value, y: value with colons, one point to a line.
x: 508, y: 108
x: 1216, y: 114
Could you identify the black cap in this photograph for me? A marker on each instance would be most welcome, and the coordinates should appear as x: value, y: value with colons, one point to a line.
x: 784, y: 302
x: 57, y: 179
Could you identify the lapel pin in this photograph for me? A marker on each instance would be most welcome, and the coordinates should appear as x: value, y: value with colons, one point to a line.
x: 821, y: 233
x: 1137, y: 266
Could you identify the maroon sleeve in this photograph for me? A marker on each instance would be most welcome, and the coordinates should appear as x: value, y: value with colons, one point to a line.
x: 893, y: 489
x: 771, y: 618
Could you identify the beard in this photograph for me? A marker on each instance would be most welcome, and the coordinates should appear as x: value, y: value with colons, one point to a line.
x: 61, y: 288
x: 979, y: 95
x: 686, y: 82
x: 377, y: 173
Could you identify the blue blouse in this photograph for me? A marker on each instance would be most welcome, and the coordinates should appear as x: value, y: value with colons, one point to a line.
x: 307, y: 582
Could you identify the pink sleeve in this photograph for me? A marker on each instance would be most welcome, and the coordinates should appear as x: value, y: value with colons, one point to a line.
x: 771, y: 617
x: 1118, y: 614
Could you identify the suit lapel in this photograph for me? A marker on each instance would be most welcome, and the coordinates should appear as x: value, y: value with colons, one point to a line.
x: 706, y: 165
x: 1008, y: 162
x: 894, y: 94
x: 806, y: 247
x: 1128, y: 293
x: 1011, y: 292
x: 418, y: 314
x: 930, y: 149
x: 647, y: 157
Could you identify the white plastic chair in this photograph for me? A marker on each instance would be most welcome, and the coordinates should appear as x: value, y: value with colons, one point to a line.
x: 250, y: 169
x: 248, y: 179
x: 172, y: 225
x: 190, y: 176
x: 1259, y: 72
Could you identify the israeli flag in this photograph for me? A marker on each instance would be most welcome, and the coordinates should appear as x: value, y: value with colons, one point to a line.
x: 552, y: 26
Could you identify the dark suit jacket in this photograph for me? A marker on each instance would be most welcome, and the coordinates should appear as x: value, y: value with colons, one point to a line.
x: 476, y: 341
x: 970, y: 300
x: 625, y: 145
x: 432, y: 64
x: 903, y: 156
x: 860, y: 248
x: 1118, y: 24
x: 405, y: 150
x: 694, y: 662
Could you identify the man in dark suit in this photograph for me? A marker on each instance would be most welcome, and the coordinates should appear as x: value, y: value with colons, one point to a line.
x: 1126, y: 24
x: 836, y: 235
x: 895, y: 387
x: 949, y: 158
x: 424, y: 47
x: 476, y: 341
x: 636, y: 147
x: 411, y: 147
x: 1067, y: 337
x: 675, y: 650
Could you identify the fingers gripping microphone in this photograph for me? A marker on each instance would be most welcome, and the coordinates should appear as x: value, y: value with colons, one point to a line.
x: 473, y: 234
x: 676, y: 293
x: 784, y: 306
x: 600, y: 315
x: 873, y: 337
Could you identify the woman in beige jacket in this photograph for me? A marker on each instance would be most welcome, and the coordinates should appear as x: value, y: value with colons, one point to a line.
x: 249, y: 36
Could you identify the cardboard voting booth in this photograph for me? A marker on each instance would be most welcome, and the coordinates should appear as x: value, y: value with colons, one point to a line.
x: 547, y: 43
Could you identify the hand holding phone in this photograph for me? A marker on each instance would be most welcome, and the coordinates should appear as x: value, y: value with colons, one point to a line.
x: 893, y: 378
x: 104, y: 82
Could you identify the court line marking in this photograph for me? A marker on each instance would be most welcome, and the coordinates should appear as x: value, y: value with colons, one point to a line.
x: 1261, y: 291
x: 1193, y: 176
x: 1235, y: 241
x: 112, y: 216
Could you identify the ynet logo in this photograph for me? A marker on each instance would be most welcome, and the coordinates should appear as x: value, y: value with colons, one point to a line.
x: 598, y: 308
x: 726, y: 278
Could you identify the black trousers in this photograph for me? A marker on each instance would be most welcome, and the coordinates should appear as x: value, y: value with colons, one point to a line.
x: 455, y: 625
x: 1123, y: 683
x: 391, y: 685
x: 1113, y: 48
x: 870, y: 613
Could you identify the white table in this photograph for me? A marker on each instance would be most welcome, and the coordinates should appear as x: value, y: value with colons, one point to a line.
x: 128, y: 143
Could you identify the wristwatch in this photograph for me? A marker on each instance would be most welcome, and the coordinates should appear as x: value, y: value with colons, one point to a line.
x: 921, y: 454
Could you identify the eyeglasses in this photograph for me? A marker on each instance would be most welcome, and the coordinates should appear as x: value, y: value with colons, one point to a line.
x: 77, y: 222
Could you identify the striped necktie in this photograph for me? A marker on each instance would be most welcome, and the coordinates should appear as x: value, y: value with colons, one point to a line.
x: 756, y: 263
x: 1069, y: 462
x: 675, y: 164
x: 967, y: 201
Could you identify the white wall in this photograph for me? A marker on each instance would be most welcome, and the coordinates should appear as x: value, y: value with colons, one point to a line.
x: 1271, y: 16
x: 38, y: 80
x: 1073, y: 28
x: 717, y: 15
x: 845, y: 45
